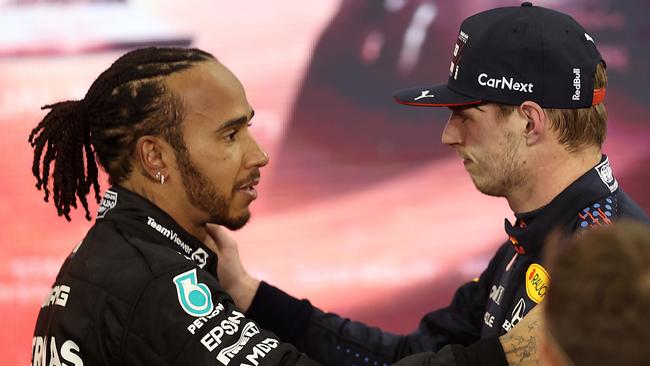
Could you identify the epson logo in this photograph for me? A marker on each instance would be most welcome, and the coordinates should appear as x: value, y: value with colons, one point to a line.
x: 504, y: 83
x: 576, y: 84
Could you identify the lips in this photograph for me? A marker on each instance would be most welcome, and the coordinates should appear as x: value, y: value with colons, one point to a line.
x: 249, y: 184
x: 248, y: 188
x: 465, y: 159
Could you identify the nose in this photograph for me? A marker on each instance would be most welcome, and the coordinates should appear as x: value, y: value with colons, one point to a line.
x: 451, y: 135
x: 257, y: 157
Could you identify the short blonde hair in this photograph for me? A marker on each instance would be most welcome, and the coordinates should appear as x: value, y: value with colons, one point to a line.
x: 579, y: 127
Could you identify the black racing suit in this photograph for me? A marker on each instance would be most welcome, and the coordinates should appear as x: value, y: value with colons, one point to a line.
x: 480, y: 311
x: 136, y: 291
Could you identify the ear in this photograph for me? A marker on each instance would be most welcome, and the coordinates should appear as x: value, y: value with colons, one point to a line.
x: 150, y: 155
x: 535, y: 121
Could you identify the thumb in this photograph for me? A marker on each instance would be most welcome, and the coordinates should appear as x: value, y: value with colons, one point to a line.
x: 214, y: 232
x: 212, y: 239
x: 220, y: 237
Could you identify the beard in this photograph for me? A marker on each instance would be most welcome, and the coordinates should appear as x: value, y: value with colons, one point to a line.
x: 204, y: 196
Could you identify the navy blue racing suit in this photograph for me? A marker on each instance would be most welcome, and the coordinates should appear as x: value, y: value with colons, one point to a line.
x: 480, y: 311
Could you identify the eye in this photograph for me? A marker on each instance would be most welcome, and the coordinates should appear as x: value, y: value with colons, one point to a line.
x: 230, y: 136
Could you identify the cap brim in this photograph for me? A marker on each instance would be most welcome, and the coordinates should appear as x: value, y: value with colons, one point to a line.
x: 433, y: 96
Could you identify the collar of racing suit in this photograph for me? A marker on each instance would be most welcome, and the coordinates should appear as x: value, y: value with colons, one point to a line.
x: 529, y: 231
x: 137, y: 216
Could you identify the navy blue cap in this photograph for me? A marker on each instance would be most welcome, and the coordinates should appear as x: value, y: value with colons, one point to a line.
x: 514, y: 54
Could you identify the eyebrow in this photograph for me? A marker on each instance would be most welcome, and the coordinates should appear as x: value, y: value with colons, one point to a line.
x: 236, y: 122
x: 462, y: 109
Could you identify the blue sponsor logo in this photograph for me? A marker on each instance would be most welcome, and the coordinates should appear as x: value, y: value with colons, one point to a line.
x: 195, y: 298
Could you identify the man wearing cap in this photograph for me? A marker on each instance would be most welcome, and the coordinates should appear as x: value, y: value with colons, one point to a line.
x: 525, y: 89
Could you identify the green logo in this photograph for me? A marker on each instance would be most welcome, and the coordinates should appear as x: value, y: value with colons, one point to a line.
x: 195, y: 298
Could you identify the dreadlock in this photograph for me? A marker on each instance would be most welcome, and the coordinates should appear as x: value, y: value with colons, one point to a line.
x: 126, y: 102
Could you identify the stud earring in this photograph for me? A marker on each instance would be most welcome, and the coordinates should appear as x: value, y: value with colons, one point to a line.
x: 160, y: 177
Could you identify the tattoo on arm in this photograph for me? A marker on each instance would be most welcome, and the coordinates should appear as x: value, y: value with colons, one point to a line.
x: 521, y: 349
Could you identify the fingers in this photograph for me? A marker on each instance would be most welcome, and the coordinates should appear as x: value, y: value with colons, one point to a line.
x: 211, y: 239
x: 217, y: 233
x: 213, y: 230
x: 220, y: 236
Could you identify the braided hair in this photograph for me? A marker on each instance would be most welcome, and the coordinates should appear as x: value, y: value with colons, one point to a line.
x: 126, y: 102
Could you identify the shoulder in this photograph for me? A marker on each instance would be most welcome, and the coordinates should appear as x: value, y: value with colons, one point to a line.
x: 120, y: 264
x: 606, y: 210
x: 600, y: 212
x: 629, y: 209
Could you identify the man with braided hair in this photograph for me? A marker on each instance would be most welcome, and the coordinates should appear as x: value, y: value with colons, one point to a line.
x: 170, y: 127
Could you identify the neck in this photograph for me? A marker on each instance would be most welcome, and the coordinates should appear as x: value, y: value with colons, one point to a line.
x: 158, y: 194
x: 549, y: 175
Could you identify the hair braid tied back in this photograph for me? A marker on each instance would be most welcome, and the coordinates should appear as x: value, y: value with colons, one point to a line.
x: 63, y: 138
x: 127, y: 101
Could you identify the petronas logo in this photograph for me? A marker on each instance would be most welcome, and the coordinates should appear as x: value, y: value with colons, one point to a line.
x: 195, y: 298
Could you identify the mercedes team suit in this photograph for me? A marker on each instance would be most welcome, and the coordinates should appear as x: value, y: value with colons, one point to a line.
x: 513, y: 283
x: 137, y: 291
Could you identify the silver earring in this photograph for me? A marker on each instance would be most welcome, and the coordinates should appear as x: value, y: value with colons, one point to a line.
x: 160, y: 177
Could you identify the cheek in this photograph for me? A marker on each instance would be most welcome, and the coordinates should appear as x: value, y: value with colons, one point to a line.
x: 217, y: 166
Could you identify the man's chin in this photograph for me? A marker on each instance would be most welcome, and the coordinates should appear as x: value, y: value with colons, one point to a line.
x: 233, y: 223
x: 489, y: 190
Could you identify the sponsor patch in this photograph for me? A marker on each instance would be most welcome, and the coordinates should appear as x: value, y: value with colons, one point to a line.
x: 576, y: 84
x: 200, y: 256
x: 605, y: 173
x: 504, y: 83
x: 260, y: 350
x: 58, y: 295
x: 537, y: 281
x: 248, y: 331
x: 488, y: 319
x: 424, y: 94
x: 518, y: 313
x: 194, y: 297
x: 50, y: 351
x: 229, y: 326
x: 458, y: 54
x: 169, y: 234
x: 108, y: 202
x: 496, y: 293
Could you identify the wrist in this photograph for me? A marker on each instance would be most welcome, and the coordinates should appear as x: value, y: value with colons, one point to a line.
x: 244, y: 292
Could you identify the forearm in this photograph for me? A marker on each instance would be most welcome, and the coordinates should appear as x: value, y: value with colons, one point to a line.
x: 327, y: 338
x: 244, y: 292
x: 333, y: 340
x: 520, y: 348
x: 280, y: 313
x: 520, y: 344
